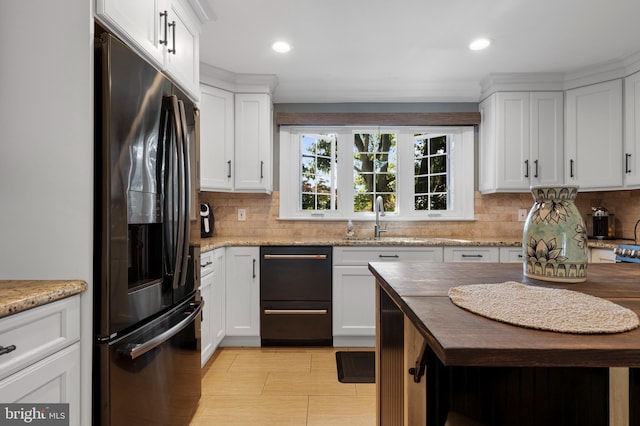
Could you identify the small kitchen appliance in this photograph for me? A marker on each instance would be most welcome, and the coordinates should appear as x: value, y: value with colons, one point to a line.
x: 206, y: 220
x: 602, y: 224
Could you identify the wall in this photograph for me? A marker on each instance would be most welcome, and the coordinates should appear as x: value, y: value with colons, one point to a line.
x: 46, y: 163
x: 496, y: 217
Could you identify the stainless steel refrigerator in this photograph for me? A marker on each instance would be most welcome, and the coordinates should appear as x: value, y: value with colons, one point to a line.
x: 147, y: 309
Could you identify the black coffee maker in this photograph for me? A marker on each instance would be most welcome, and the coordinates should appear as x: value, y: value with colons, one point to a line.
x: 206, y: 220
x: 603, y: 223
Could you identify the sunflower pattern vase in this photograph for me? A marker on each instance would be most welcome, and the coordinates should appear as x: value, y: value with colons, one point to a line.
x: 555, y: 237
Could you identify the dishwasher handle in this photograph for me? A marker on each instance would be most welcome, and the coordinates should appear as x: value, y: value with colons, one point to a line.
x: 294, y: 256
x: 295, y: 311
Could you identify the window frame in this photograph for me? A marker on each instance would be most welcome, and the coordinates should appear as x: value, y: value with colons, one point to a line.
x: 460, y: 177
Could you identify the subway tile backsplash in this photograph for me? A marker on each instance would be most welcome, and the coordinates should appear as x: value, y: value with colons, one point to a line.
x: 496, y: 217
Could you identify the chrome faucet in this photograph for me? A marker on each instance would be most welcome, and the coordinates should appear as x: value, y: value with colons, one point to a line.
x: 378, y: 207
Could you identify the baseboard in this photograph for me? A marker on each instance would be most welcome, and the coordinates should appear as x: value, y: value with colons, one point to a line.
x: 354, y: 341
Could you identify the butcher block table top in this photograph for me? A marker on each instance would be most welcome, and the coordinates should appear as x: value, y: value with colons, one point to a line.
x: 461, y: 338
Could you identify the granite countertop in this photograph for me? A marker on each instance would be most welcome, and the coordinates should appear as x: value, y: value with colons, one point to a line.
x: 207, y: 244
x: 20, y: 295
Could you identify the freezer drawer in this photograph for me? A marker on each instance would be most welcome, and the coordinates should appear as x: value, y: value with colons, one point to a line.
x: 152, y: 375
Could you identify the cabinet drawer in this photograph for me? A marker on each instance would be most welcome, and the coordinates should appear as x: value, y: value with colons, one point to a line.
x: 471, y: 254
x: 38, y: 332
x: 511, y: 254
x: 364, y: 255
x: 206, y: 263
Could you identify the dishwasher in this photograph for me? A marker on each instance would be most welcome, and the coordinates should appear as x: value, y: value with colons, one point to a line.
x: 295, y: 296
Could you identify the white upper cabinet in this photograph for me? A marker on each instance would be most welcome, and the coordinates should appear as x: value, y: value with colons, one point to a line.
x: 632, y: 131
x: 253, y: 147
x: 521, y: 141
x: 236, y: 141
x: 182, y: 53
x: 166, y: 32
x: 138, y: 20
x: 216, y: 139
x: 593, y: 146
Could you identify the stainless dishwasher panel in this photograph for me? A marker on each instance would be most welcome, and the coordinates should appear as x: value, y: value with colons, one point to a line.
x: 295, y: 273
x: 296, y: 323
x: 295, y: 295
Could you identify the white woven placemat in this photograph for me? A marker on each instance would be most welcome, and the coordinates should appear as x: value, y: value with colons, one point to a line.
x: 560, y: 310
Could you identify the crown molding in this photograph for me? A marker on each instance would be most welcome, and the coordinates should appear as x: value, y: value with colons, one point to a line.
x: 237, y: 83
x: 203, y: 10
x: 516, y: 82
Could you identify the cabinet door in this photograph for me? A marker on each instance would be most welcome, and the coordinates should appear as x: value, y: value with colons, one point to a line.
x: 182, y: 53
x: 546, y: 161
x: 353, y: 301
x: 243, y: 291
x: 594, y: 136
x: 206, y: 338
x: 218, y: 298
x: 216, y: 139
x: 471, y: 254
x: 487, y: 150
x: 137, y: 21
x: 55, y: 379
x: 253, y: 143
x: 632, y: 131
x: 512, y: 139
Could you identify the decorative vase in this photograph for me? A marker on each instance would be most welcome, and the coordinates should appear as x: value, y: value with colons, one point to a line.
x: 555, y: 237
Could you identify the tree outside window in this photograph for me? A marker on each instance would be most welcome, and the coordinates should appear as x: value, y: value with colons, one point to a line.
x: 374, y: 170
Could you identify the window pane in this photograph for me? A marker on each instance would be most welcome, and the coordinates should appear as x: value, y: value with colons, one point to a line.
x: 374, y: 170
x: 430, y: 172
x: 318, y: 171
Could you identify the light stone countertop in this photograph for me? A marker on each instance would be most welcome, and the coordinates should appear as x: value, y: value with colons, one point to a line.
x: 20, y: 295
x: 207, y: 244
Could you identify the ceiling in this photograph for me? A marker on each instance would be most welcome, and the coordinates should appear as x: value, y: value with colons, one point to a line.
x: 412, y: 50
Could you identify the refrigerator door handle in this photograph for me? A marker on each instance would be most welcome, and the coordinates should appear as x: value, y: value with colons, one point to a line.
x: 178, y: 253
x: 186, y: 188
x: 135, y: 350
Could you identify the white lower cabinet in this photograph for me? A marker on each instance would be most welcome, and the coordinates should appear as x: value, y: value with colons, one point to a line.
x: 212, y: 290
x: 354, y: 288
x: 511, y: 254
x: 601, y: 255
x: 472, y: 254
x: 242, y: 296
x: 45, y: 365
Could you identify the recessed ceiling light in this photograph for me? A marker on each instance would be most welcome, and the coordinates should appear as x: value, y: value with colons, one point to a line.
x: 281, y: 46
x: 479, y: 44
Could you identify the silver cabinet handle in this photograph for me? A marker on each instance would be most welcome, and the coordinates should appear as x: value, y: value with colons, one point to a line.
x: 254, y: 268
x: 229, y: 165
x: 472, y: 255
x: 295, y: 311
x: 535, y: 165
x: 295, y: 256
x: 164, y: 15
x: 627, y: 157
x: 526, y: 168
x: 7, y: 349
x: 205, y: 265
x: 173, y: 24
x: 383, y: 256
x: 261, y: 169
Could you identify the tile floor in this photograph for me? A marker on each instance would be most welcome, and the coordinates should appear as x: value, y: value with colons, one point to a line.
x: 281, y: 386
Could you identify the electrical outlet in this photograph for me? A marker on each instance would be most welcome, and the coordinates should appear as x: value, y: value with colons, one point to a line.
x: 522, y: 215
x: 242, y: 215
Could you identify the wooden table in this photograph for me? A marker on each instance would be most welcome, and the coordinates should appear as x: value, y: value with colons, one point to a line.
x: 495, y: 372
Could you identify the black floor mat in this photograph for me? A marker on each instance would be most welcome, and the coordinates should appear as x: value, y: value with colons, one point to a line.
x: 356, y: 366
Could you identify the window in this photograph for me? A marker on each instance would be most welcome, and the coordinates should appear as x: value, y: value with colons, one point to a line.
x: 374, y: 170
x: 422, y: 173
